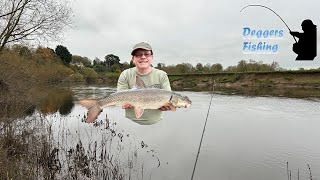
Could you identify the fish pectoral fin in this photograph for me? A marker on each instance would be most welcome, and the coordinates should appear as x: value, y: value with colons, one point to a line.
x: 138, y: 112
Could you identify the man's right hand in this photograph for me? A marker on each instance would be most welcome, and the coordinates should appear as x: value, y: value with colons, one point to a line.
x: 294, y: 33
x: 126, y: 106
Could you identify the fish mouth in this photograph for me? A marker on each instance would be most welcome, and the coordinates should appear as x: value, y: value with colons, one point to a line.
x: 184, y: 106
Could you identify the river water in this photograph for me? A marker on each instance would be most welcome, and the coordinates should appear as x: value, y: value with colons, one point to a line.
x: 246, y: 137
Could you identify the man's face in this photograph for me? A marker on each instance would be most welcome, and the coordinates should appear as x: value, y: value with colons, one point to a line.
x: 142, y: 58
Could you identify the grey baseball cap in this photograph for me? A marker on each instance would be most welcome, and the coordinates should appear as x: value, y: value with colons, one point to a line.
x: 141, y: 45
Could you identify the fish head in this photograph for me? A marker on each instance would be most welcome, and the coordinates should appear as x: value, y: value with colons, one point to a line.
x: 180, y: 101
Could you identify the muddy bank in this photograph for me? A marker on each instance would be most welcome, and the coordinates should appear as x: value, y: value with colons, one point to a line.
x: 289, y: 79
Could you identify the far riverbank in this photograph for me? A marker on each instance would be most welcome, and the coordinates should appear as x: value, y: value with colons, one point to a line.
x: 277, y: 79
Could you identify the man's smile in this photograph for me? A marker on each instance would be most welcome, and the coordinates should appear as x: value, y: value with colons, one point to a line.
x: 143, y: 62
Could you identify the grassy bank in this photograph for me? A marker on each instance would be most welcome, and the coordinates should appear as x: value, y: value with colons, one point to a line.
x: 42, y: 66
x: 34, y: 148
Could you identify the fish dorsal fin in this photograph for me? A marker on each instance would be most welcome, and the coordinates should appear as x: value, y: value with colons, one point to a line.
x: 139, y: 83
x: 138, y: 112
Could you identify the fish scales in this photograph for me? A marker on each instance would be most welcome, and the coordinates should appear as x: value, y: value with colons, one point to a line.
x: 147, y: 98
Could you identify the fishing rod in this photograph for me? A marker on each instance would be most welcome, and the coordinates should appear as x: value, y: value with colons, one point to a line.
x: 204, y: 128
x: 258, y: 5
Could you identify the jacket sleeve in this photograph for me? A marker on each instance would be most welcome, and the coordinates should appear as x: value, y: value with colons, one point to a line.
x: 296, y: 34
x: 165, y: 83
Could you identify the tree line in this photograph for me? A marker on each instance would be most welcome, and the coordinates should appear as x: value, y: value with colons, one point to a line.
x: 242, y: 66
x: 53, y: 65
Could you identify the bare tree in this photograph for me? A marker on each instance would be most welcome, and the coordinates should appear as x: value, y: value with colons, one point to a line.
x: 32, y: 20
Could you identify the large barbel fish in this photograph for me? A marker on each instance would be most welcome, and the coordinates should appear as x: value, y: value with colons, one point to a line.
x: 140, y: 98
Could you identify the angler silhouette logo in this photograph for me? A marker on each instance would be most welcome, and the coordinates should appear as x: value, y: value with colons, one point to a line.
x: 306, y: 46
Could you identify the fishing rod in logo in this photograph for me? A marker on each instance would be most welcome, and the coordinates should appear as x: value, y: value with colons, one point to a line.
x: 258, y: 5
x: 306, y: 47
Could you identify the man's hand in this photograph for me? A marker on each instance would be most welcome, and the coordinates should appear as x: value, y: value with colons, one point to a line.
x: 167, y: 108
x: 126, y: 106
x: 294, y: 33
x: 163, y: 108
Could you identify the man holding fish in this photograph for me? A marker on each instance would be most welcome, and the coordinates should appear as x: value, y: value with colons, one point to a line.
x: 142, y: 57
x: 143, y: 91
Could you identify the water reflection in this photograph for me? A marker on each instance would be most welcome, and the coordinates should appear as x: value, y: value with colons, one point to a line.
x: 44, y: 100
x: 259, y: 91
x: 149, y: 117
x: 247, y: 138
x: 62, y: 100
x: 277, y: 92
x: 58, y: 100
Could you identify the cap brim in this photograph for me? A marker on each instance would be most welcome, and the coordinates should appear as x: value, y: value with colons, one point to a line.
x: 140, y: 48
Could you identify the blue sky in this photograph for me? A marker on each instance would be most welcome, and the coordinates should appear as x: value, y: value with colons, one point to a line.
x: 206, y: 31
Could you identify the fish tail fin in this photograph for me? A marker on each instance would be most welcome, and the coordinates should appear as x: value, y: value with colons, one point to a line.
x: 93, y: 113
x: 93, y: 107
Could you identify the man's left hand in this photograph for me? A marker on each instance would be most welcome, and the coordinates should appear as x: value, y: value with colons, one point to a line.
x: 167, y: 108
